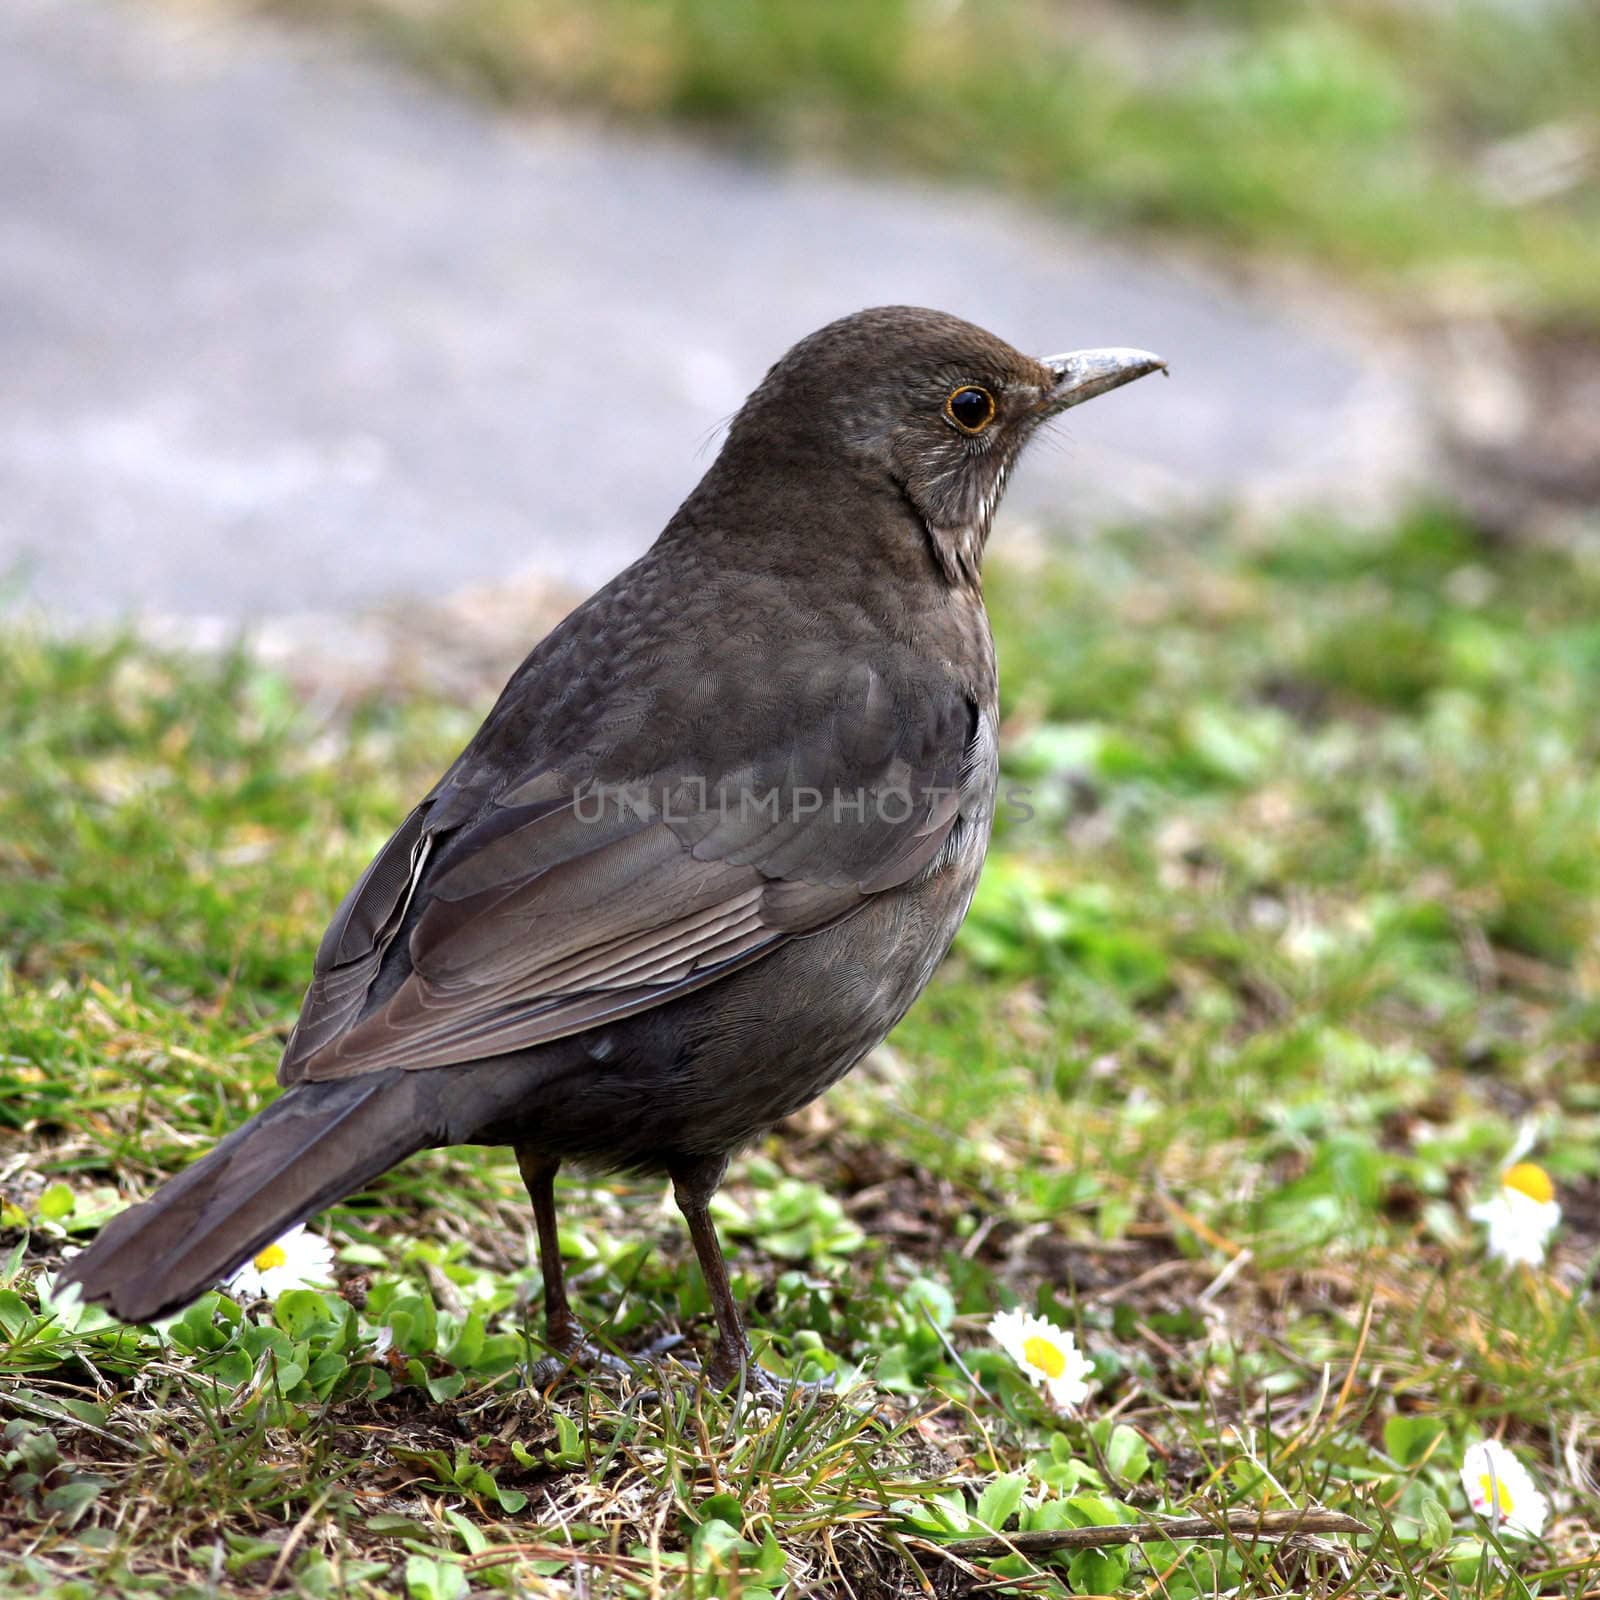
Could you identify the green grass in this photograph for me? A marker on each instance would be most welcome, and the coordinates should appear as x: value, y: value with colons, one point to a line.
x: 1302, y: 930
x: 1373, y: 137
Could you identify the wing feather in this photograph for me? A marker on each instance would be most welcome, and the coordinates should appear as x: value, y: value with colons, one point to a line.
x: 505, y: 914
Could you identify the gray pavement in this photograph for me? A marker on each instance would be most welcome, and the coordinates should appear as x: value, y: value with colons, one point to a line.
x: 282, y: 329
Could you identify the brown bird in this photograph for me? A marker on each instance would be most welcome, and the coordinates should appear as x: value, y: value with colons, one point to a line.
x: 707, y: 848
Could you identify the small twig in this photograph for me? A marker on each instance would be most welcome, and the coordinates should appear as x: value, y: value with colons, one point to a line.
x: 501, y: 1554
x: 36, y: 1405
x: 1199, y: 1228
x: 1235, y: 1524
x: 973, y: 1245
x: 1142, y: 1280
x: 1225, y: 1277
x: 443, y: 1290
x: 297, y: 1533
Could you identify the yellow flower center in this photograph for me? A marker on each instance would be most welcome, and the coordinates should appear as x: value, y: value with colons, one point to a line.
x: 1530, y: 1180
x: 1495, y: 1491
x: 272, y: 1256
x: 1044, y: 1355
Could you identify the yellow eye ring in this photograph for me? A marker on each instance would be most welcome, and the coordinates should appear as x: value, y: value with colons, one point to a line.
x: 971, y: 408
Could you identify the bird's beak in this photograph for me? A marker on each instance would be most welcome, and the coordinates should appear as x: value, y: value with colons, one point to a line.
x: 1082, y: 374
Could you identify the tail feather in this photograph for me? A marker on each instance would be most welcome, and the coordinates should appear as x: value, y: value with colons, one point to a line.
x: 313, y: 1146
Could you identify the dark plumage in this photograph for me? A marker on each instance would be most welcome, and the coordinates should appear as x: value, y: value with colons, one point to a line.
x: 707, y: 848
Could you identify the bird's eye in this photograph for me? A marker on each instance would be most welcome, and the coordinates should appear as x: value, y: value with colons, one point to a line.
x: 970, y: 408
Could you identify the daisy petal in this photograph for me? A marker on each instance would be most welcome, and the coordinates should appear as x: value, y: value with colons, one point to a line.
x: 1501, y: 1489
x: 1047, y: 1356
x: 1521, y: 1217
x: 297, y: 1260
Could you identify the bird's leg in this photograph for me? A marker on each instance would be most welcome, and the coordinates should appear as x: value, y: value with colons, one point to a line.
x: 562, y: 1329
x: 693, y: 1184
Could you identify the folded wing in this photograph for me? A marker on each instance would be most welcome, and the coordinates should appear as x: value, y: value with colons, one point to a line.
x: 513, y: 909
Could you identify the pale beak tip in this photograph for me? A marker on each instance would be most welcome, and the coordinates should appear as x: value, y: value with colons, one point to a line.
x: 1083, y: 374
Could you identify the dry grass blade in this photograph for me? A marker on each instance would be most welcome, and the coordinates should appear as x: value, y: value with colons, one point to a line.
x: 1240, y: 1524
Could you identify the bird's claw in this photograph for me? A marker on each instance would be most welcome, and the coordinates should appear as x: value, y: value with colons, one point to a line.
x: 579, y: 1353
x: 742, y: 1375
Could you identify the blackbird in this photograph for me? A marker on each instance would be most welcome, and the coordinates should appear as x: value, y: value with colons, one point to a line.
x: 706, y: 849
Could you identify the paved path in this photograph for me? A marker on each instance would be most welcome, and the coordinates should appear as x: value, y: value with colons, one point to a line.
x: 284, y: 329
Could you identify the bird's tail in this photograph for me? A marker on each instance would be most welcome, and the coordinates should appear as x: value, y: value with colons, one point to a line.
x: 311, y: 1147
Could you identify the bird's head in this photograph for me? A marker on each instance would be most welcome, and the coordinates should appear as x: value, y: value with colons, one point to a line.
x: 927, y: 402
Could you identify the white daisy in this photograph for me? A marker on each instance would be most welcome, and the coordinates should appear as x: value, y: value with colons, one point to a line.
x: 1048, y: 1356
x: 1521, y: 1216
x: 1500, y: 1488
x: 299, y: 1260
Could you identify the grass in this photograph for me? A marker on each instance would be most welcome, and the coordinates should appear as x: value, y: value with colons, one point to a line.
x: 1291, y: 928
x: 1445, y: 154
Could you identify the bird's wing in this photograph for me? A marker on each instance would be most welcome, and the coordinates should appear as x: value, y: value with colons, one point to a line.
x: 548, y: 910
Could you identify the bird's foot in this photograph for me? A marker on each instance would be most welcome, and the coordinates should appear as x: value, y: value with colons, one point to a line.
x: 572, y: 1350
x: 582, y: 1356
x: 735, y: 1372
